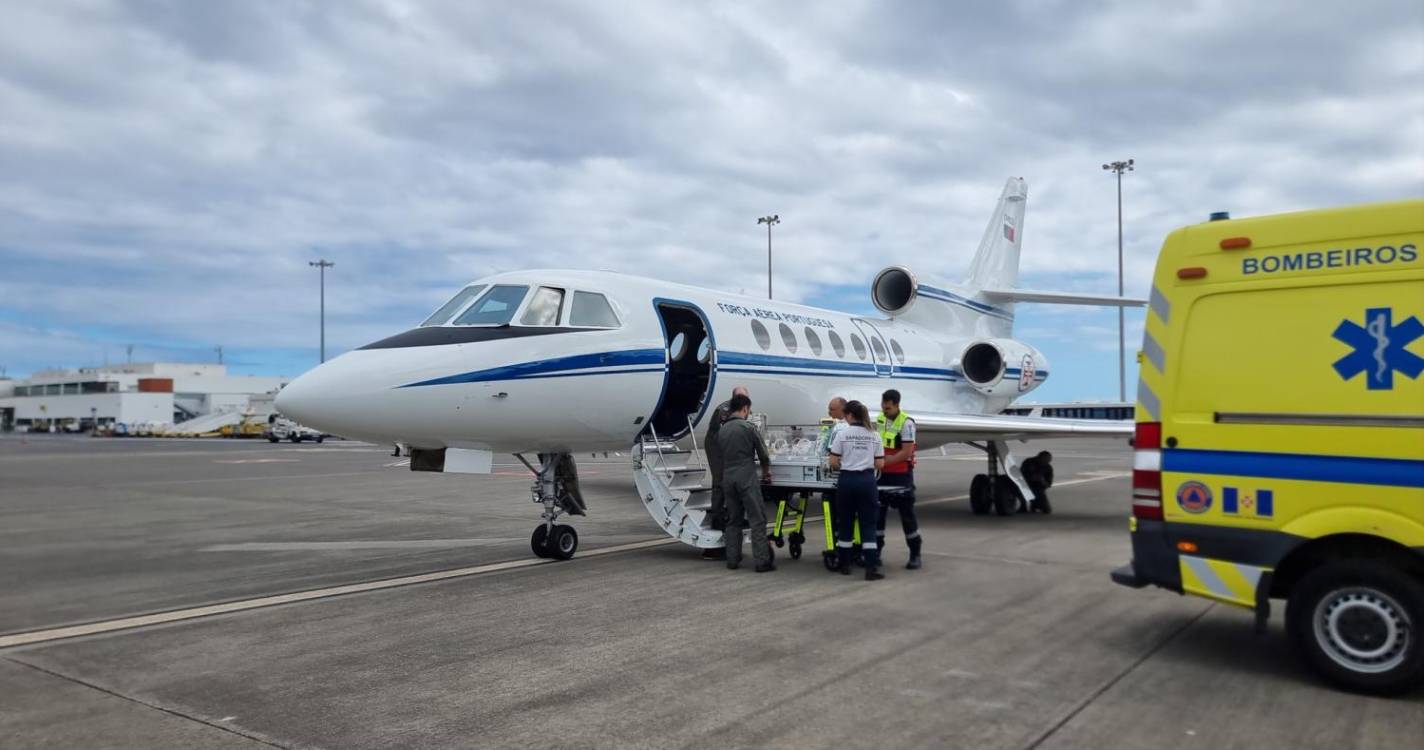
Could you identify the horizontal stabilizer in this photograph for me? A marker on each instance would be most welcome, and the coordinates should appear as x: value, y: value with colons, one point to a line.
x: 1060, y: 298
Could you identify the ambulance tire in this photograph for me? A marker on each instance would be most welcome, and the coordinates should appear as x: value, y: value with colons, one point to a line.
x: 1007, y: 497
x: 1379, y: 592
x: 979, y: 496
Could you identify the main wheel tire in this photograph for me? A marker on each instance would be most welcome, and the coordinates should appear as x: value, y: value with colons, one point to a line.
x: 980, y: 500
x: 564, y: 542
x: 1360, y: 625
x: 320, y: 438
x: 539, y: 541
x: 1006, y: 496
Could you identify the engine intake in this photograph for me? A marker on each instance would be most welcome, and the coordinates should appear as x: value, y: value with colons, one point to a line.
x: 1003, y: 367
x: 893, y: 290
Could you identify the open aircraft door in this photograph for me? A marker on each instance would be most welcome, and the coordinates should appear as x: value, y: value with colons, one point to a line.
x: 879, y: 348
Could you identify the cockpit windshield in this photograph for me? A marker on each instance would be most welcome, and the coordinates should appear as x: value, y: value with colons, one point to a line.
x: 496, y: 308
x: 448, y: 310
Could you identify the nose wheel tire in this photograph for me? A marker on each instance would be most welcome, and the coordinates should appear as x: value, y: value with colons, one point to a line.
x: 1360, y: 624
x: 539, y: 541
x: 980, y: 495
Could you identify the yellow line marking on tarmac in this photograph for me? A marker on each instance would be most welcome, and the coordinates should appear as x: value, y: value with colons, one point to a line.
x: 179, y: 615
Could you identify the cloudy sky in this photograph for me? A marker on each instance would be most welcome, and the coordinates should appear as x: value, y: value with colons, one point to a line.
x: 167, y: 169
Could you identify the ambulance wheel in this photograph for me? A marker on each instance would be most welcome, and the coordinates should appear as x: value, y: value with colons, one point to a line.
x: 563, y: 543
x: 1360, y: 625
x: 830, y: 560
x: 539, y: 541
x: 1007, y: 497
x: 979, y: 499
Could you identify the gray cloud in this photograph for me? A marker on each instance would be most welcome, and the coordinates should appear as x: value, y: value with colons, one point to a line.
x: 182, y: 161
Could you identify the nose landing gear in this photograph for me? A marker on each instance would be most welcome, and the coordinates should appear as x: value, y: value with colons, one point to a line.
x: 556, y: 488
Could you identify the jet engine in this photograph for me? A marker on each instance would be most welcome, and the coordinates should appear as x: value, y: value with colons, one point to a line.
x: 1003, y: 367
x: 894, y: 290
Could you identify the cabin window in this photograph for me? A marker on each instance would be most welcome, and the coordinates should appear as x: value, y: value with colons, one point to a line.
x: 678, y: 347
x: 456, y: 303
x: 495, y: 308
x: 704, y: 351
x: 899, y: 353
x: 544, y: 306
x: 763, y: 338
x: 788, y: 337
x: 879, y: 348
x: 591, y: 310
x: 858, y: 345
x: 813, y: 341
x: 836, y: 343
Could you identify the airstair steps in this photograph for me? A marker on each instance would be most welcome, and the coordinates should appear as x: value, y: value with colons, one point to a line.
x: 670, y: 481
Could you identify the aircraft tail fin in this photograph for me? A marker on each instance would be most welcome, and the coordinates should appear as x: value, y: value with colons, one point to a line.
x: 996, y: 264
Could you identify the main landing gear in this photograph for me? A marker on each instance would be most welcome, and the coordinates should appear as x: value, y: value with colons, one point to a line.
x: 998, y: 490
x: 556, y: 488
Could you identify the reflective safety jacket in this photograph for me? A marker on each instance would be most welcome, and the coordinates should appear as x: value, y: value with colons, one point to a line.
x: 894, y: 436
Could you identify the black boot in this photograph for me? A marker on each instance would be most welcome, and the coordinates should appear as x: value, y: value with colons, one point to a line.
x: 872, y: 573
x: 914, y: 563
x: 843, y: 559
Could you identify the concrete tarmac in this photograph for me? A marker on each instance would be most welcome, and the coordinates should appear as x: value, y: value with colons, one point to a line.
x: 1011, y: 637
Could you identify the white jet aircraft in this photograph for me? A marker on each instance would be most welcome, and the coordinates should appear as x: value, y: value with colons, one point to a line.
x: 558, y: 362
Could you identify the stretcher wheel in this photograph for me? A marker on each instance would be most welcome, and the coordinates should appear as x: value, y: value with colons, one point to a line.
x: 778, y: 541
x: 795, y: 551
x: 797, y: 538
x: 828, y: 558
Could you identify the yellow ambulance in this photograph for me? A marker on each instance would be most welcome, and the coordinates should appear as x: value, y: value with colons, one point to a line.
x: 1279, y: 451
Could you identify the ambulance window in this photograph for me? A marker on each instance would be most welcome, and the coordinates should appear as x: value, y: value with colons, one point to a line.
x: 495, y: 308
x: 836, y: 343
x: 899, y: 353
x: 814, y: 341
x: 762, y: 337
x: 788, y: 337
x: 858, y: 345
x: 543, y: 309
x: 879, y: 348
x: 448, y: 310
x: 591, y: 310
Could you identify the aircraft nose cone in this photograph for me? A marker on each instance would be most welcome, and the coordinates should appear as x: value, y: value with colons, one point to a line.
x: 296, y: 401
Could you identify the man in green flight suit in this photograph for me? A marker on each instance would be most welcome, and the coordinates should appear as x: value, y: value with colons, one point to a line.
x: 741, y: 447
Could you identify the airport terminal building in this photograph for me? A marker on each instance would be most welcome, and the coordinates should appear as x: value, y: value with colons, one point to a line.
x: 154, y: 393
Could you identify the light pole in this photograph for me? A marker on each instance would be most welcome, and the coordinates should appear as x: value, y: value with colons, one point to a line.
x: 321, y: 266
x: 1119, y: 167
x: 769, y: 221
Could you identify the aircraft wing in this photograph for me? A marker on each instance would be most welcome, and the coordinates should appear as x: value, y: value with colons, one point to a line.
x: 957, y: 428
x: 1060, y: 298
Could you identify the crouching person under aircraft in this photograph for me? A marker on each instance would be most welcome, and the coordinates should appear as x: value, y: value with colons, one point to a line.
x: 858, y: 453
x: 741, y: 448
x: 897, y: 431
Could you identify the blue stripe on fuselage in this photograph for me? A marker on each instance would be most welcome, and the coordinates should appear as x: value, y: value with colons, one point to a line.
x: 559, y: 367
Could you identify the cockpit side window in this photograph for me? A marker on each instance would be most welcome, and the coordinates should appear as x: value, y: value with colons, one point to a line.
x: 591, y: 310
x: 544, y: 306
x: 448, y: 310
x: 496, y: 308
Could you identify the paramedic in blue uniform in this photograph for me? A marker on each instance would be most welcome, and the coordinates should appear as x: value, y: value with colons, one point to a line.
x: 858, y: 453
x: 897, y: 431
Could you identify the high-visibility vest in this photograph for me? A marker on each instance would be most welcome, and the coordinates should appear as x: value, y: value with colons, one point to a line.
x: 890, y: 435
